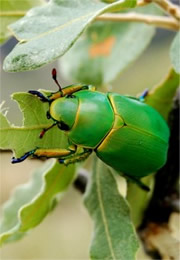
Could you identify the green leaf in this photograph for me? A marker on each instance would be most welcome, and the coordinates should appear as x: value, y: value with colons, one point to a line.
x: 47, y: 32
x: 106, y: 49
x: 31, y: 202
x: 12, y: 10
x: 161, y: 96
x: 25, y: 138
x: 175, y: 53
x: 114, y: 235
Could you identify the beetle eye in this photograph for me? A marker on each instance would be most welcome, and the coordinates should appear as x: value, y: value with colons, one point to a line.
x: 48, y: 115
x: 63, y: 126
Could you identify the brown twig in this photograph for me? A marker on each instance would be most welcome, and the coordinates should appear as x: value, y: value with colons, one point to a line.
x: 143, y: 2
x: 169, y: 8
x: 159, y: 21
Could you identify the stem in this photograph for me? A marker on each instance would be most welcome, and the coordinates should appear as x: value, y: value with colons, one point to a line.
x: 143, y: 2
x: 160, y: 21
x: 169, y: 8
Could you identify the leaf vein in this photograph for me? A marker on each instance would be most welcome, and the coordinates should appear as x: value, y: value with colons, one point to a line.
x: 24, y: 128
x: 104, y: 215
x: 59, y: 27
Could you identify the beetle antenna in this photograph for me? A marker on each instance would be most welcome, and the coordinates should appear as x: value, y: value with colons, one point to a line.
x: 54, y: 76
x: 45, y: 130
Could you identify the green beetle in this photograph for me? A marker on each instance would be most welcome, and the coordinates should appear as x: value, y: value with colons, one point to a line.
x: 125, y: 133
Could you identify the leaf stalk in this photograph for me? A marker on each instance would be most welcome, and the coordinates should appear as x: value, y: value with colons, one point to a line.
x: 159, y: 21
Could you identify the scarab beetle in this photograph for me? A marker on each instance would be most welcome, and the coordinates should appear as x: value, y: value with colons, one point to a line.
x: 124, y: 132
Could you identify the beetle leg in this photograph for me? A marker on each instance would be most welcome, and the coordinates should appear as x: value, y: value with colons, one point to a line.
x: 137, y: 181
x: 22, y: 158
x: 76, y: 157
x: 49, y: 153
x: 75, y: 88
x: 69, y: 90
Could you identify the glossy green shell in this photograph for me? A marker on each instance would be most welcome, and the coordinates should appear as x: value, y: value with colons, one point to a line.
x: 94, y: 119
x: 139, y: 147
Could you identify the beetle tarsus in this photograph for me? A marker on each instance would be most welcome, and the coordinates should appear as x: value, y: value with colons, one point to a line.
x: 144, y: 95
x: 22, y: 158
x: 39, y: 94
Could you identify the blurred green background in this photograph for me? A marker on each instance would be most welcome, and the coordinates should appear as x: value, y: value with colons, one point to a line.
x: 66, y: 232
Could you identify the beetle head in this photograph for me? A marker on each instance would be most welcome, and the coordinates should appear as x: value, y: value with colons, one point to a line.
x: 64, y: 110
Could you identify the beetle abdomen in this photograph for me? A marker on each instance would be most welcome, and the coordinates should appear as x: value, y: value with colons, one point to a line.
x: 140, y: 146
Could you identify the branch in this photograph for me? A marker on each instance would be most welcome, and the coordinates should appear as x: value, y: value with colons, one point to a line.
x: 169, y: 8
x: 166, y: 5
x: 159, y: 21
x: 143, y: 2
